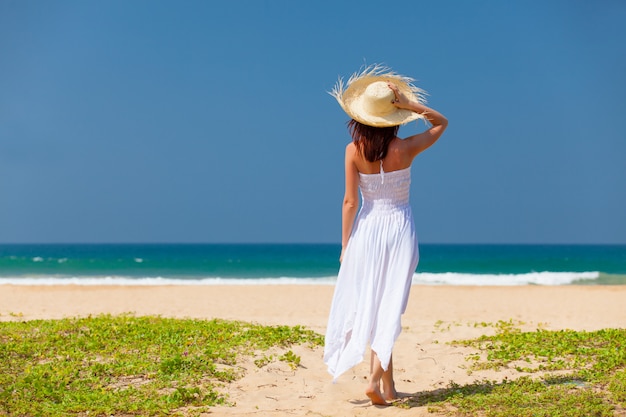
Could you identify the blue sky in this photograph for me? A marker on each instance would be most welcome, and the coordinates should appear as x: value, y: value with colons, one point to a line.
x: 199, y: 121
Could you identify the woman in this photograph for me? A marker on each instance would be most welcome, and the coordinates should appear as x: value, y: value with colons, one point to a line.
x: 379, y: 251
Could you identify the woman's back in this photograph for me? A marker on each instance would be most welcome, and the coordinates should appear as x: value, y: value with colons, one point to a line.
x: 398, y: 157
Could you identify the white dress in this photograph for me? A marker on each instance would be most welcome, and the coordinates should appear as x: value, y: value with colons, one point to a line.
x: 375, y: 276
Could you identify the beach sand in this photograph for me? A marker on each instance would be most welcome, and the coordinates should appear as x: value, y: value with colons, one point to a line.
x: 423, y: 361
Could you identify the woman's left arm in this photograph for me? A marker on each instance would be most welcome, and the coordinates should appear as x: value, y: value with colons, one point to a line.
x: 350, y: 198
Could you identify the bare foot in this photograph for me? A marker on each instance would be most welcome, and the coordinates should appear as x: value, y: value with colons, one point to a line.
x: 391, y: 395
x: 373, y: 393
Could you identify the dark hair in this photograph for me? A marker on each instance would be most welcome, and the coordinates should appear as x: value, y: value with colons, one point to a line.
x: 372, y: 142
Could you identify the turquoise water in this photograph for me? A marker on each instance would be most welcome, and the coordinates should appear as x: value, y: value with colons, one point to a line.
x: 203, y: 264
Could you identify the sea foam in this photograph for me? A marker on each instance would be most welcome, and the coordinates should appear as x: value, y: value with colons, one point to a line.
x: 530, y: 278
x: 422, y: 278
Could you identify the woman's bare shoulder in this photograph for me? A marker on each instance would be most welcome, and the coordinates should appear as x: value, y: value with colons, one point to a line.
x: 398, y: 146
x: 351, y: 150
x: 399, y: 154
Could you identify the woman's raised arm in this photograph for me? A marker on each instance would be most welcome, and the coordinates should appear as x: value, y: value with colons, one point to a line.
x: 439, y: 123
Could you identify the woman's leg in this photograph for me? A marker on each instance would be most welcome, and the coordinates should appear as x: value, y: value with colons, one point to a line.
x: 389, y: 386
x: 373, y: 389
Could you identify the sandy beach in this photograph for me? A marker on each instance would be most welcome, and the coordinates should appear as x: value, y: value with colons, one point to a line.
x: 423, y: 360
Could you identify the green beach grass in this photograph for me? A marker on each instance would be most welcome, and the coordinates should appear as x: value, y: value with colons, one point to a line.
x: 126, y: 365
x: 566, y: 373
x: 109, y: 365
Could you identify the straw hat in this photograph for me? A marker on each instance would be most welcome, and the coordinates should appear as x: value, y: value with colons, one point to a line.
x: 367, y: 98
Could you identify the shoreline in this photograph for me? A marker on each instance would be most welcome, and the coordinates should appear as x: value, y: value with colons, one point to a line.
x: 420, y: 279
x: 424, y: 361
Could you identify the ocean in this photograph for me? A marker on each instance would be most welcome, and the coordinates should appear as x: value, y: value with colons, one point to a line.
x: 211, y: 264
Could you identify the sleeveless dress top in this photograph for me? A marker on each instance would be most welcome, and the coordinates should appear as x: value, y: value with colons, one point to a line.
x: 375, y: 276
